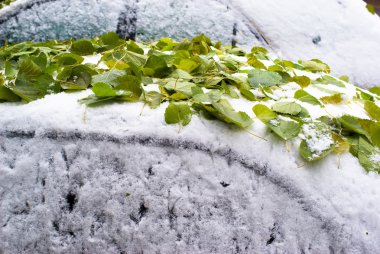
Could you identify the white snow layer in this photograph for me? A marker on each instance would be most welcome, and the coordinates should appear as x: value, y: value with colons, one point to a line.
x: 109, y: 180
x: 340, y: 32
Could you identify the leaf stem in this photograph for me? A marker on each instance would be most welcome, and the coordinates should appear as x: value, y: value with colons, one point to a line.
x: 85, y: 115
x: 256, y: 135
x: 142, y: 109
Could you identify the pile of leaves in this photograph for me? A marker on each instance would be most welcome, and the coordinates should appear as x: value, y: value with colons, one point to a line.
x: 200, y: 77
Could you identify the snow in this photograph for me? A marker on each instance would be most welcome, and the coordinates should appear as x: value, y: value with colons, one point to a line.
x: 108, y: 179
x: 274, y: 122
x: 375, y: 158
x: 348, y: 33
x: 316, y: 140
x: 94, y: 59
x: 118, y: 179
x: 285, y: 118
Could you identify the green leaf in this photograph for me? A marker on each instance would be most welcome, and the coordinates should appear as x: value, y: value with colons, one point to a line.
x: 76, y: 77
x: 103, y: 90
x: 156, y: 66
x: 230, y: 63
x: 372, y: 109
x: 263, y: 78
x: 10, y: 69
x: 108, y: 77
x: 254, y: 62
x: 342, y: 145
x: 325, y: 89
x: 69, y: 59
x: 82, y: 47
x: 345, y: 78
x: 290, y: 108
x: 288, y: 65
x: 178, y: 113
x: 329, y: 80
x: 188, y: 65
x: 153, y: 99
x: 355, y: 125
x: 264, y: 113
x: 259, y: 50
x: 375, y: 134
x: 259, y: 53
x: 267, y: 91
x: 165, y: 44
x: 375, y: 90
x: 368, y: 155
x: 224, y: 111
x: 304, y: 96
x: 93, y: 100
x: 111, y: 39
x: 354, y: 144
x: 31, y: 83
x: 6, y: 94
x: 302, y: 81
x: 210, y: 97
x: 41, y: 60
x: 132, y: 58
x: 364, y: 95
x: 130, y: 83
x: 285, y: 128
x: 285, y: 76
x: 370, y: 8
x: 277, y: 68
x: 28, y: 70
x: 315, y: 65
x: 213, y: 82
x: 318, y: 141
x: 32, y: 90
x: 132, y: 46
x: 201, y: 44
x: 332, y: 99
x: 247, y: 94
x: 180, y: 74
x: 229, y: 90
x: 181, y: 86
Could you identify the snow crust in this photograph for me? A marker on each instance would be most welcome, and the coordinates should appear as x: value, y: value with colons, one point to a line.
x: 109, y: 180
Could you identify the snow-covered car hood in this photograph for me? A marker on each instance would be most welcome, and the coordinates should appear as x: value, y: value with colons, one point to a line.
x: 110, y: 179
